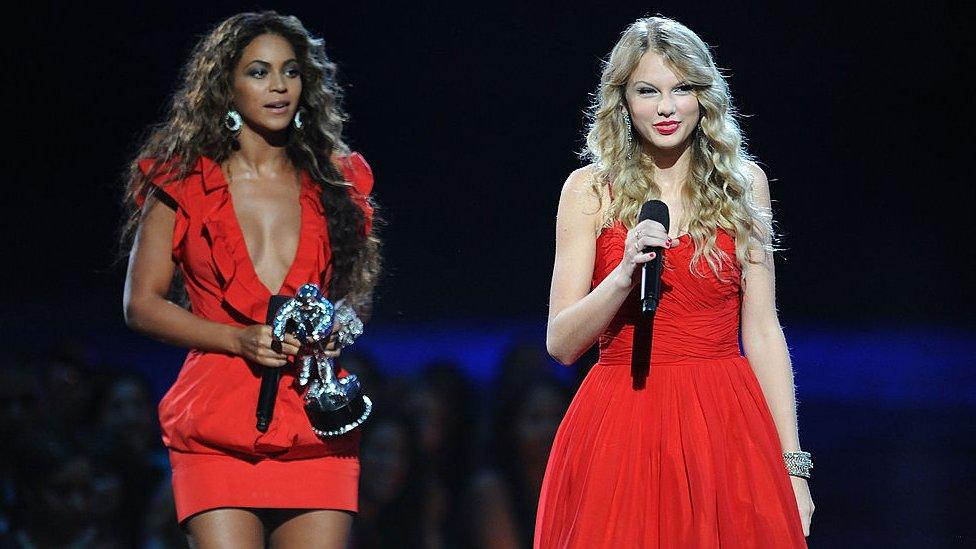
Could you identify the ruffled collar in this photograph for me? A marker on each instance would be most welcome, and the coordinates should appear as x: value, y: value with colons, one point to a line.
x: 244, y: 295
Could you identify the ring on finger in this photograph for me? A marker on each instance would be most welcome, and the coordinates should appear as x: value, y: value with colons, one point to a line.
x: 276, y: 345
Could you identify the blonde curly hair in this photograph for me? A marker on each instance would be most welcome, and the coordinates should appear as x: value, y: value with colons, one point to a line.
x: 719, y: 190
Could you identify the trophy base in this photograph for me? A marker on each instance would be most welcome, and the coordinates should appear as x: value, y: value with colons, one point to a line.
x: 337, y: 422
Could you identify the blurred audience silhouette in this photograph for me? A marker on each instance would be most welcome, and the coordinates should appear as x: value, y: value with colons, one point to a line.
x: 445, y: 464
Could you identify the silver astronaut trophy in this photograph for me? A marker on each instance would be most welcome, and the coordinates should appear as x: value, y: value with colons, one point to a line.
x: 334, y: 406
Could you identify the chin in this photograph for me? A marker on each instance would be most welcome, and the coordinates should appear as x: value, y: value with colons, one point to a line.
x: 274, y: 127
x: 670, y: 142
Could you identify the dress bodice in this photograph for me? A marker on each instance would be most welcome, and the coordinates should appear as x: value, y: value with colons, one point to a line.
x: 698, y: 314
x: 209, y: 246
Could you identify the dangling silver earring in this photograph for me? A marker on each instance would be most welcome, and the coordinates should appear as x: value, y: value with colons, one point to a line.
x: 699, y: 136
x: 298, y: 120
x: 233, y: 121
x: 630, y: 135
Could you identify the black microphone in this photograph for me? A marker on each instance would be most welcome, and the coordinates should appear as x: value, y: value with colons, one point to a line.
x: 269, y: 376
x: 650, y: 291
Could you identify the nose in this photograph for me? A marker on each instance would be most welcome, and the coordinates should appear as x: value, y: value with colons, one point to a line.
x: 665, y: 106
x: 279, y: 83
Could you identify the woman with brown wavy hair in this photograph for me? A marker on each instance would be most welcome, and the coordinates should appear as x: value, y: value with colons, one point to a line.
x: 246, y: 190
x: 685, y: 440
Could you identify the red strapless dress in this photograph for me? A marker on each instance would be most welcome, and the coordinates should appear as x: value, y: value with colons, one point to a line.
x: 692, y: 459
x: 219, y: 458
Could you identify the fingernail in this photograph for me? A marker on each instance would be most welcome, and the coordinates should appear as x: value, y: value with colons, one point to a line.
x: 653, y: 255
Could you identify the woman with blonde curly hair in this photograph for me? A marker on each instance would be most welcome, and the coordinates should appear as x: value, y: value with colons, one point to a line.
x: 247, y: 190
x: 696, y: 446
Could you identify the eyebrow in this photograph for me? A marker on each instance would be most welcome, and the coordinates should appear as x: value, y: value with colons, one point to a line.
x: 265, y: 63
x: 680, y: 83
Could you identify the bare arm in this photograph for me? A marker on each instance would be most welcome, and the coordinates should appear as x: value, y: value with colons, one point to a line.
x: 577, y: 316
x: 762, y: 336
x: 765, y: 346
x: 147, y: 310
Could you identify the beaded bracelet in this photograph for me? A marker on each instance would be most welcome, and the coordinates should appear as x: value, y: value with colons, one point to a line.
x: 798, y: 464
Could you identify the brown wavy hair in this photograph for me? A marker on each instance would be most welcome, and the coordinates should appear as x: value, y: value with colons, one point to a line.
x: 194, y: 127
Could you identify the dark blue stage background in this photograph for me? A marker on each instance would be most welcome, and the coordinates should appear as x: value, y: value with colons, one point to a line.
x: 471, y: 116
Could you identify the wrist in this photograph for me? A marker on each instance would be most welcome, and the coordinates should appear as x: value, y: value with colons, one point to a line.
x: 622, y: 278
x: 798, y: 463
x: 232, y: 339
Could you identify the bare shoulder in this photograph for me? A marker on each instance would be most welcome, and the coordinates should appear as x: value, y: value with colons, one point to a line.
x: 760, y: 183
x: 581, y: 193
x: 581, y: 179
x: 759, y: 180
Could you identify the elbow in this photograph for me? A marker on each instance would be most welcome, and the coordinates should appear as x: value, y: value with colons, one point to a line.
x: 760, y: 339
x: 558, y: 347
x: 559, y: 353
x: 134, y: 312
x: 564, y: 359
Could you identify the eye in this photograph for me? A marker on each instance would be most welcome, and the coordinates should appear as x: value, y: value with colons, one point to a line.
x: 644, y: 90
x: 257, y: 73
x: 293, y: 72
x: 684, y: 88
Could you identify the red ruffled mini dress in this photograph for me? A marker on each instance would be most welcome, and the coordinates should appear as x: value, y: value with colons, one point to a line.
x: 692, y: 459
x: 218, y: 456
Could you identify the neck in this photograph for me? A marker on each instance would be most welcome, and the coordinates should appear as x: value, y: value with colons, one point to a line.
x: 671, y: 167
x: 261, y: 153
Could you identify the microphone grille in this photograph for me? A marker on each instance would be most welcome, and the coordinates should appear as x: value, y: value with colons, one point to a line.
x: 655, y: 210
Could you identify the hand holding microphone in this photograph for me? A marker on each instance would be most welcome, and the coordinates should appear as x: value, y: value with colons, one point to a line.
x: 256, y: 344
x: 642, y: 244
x: 645, y: 246
x: 263, y: 348
x: 650, y: 240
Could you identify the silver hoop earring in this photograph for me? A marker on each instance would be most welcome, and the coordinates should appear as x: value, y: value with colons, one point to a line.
x: 233, y: 121
x: 298, y: 122
x: 630, y: 135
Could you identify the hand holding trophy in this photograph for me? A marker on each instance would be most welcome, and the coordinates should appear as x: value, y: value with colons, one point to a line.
x: 334, y: 406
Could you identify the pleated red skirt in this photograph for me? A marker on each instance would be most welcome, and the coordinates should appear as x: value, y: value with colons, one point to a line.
x: 693, y: 460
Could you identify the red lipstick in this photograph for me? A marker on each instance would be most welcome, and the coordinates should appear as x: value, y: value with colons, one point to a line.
x: 667, y: 127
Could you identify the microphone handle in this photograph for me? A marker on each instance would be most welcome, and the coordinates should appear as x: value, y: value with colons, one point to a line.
x: 269, y: 376
x: 651, y: 282
x: 267, y: 397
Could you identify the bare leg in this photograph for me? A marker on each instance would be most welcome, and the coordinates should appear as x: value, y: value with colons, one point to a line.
x: 313, y: 528
x: 225, y: 528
